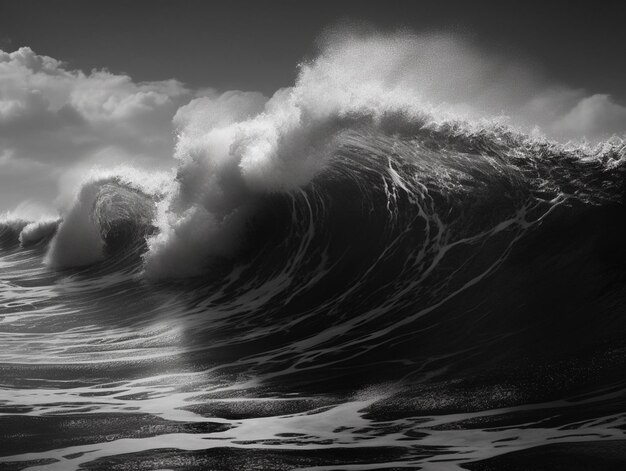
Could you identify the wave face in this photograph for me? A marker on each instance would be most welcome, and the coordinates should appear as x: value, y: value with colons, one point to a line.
x: 331, y: 280
x: 427, y: 285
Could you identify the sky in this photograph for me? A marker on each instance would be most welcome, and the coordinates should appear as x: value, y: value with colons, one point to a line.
x: 86, y: 83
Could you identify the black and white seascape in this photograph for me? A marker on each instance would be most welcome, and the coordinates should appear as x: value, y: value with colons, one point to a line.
x: 312, y: 237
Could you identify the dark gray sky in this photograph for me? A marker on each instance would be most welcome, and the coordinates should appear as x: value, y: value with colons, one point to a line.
x: 255, y: 45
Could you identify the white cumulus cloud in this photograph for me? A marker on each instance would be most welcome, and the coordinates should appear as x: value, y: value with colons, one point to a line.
x: 53, y: 118
x: 57, y: 122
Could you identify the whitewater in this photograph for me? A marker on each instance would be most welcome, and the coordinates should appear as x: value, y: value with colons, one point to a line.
x: 356, y: 273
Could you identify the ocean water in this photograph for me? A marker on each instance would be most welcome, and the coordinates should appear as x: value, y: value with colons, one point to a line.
x: 434, y: 297
x: 364, y: 271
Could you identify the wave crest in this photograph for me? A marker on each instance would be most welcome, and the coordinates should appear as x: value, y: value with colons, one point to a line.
x: 108, y: 214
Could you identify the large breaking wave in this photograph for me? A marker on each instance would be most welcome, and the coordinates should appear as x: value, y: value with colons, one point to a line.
x: 342, y: 234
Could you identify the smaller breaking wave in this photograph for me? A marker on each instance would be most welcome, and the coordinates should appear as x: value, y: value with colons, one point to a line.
x: 110, y: 214
x: 10, y: 230
x: 39, y: 232
x: 27, y: 230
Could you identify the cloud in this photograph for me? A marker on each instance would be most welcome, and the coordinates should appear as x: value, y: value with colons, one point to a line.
x: 56, y: 122
x: 57, y: 118
x: 595, y: 115
x: 218, y: 110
